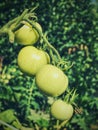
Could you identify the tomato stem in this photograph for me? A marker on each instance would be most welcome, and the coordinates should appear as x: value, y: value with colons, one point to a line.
x: 50, y: 46
x: 63, y: 124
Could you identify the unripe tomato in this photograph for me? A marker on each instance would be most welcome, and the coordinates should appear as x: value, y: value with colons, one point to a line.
x: 51, y: 80
x: 27, y: 35
x: 61, y: 110
x: 30, y: 59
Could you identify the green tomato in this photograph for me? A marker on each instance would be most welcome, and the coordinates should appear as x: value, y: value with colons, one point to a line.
x: 51, y: 80
x: 30, y: 60
x: 27, y: 35
x: 61, y: 110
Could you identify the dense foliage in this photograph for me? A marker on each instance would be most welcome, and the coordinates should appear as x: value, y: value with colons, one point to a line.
x: 71, y: 27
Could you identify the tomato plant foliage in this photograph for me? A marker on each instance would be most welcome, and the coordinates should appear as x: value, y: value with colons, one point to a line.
x: 71, y: 27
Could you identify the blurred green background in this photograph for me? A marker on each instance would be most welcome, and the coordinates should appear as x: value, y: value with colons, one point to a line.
x: 71, y: 27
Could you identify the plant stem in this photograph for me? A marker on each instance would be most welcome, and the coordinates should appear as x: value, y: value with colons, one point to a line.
x: 30, y: 93
x: 13, y: 128
x: 29, y: 97
x: 50, y: 46
x: 59, y: 126
x: 62, y: 124
x: 21, y: 16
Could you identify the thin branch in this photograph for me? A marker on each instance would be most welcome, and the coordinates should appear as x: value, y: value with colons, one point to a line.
x: 13, y: 128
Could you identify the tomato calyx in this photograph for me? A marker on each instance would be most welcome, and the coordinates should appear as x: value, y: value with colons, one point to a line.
x: 70, y: 98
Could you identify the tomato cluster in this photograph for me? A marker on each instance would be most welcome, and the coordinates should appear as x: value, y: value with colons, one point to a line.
x: 50, y: 79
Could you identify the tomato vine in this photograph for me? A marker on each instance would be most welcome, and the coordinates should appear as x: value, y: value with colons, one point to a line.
x: 28, y: 16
